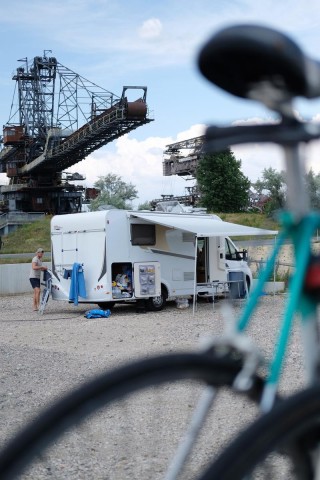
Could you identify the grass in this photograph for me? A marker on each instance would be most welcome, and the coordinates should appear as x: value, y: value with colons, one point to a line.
x: 27, y: 238
x: 256, y: 220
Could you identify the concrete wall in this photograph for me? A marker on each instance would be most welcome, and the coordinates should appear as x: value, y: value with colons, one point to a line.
x: 271, y: 287
x: 15, y: 278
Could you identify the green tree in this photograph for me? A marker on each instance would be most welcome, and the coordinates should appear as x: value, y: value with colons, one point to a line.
x: 313, y: 188
x: 113, y: 191
x: 223, y: 186
x: 144, y: 206
x: 273, y: 184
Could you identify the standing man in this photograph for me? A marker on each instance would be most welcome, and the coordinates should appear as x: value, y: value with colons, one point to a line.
x: 35, y: 273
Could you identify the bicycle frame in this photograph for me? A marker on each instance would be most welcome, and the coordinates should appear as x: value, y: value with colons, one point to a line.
x: 298, y: 225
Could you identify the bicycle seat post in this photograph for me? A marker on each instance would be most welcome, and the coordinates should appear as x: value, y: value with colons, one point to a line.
x: 297, y: 198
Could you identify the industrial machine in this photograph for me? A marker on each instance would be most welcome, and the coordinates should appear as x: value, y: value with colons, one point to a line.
x: 57, y: 119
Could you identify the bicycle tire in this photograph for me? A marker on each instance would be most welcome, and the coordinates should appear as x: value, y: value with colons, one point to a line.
x: 108, y: 387
x: 290, y: 434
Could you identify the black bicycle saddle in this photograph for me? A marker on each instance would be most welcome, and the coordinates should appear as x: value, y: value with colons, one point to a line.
x: 239, y: 58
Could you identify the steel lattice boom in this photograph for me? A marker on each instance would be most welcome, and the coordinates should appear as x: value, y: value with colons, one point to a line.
x: 57, y: 119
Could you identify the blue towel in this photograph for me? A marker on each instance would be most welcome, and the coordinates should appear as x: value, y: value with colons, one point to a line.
x: 96, y: 313
x: 77, y: 285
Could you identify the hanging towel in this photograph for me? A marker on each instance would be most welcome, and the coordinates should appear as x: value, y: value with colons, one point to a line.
x: 67, y: 273
x: 77, y: 285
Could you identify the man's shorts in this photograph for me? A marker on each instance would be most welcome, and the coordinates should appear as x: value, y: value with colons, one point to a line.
x: 35, y: 282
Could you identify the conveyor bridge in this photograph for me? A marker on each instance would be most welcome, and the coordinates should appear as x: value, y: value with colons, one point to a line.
x: 43, y: 138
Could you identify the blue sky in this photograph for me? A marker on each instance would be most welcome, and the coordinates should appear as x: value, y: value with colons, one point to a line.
x: 153, y: 43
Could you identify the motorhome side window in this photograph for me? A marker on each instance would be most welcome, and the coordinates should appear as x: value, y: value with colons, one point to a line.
x: 231, y: 252
x: 143, y: 234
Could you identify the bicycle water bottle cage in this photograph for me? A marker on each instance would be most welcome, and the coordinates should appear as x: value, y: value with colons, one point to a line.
x: 260, y: 63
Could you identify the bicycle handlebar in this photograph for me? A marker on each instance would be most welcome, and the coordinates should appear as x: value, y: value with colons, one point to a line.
x: 220, y: 138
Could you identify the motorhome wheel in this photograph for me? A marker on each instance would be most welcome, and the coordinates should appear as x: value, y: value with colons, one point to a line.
x: 157, y: 303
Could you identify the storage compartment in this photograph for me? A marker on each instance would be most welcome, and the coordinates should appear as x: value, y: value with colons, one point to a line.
x: 121, y: 280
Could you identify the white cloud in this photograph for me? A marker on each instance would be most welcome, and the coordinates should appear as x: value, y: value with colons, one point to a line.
x: 254, y: 121
x: 138, y: 162
x: 256, y: 157
x: 103, y: 41
x: 151, y: 28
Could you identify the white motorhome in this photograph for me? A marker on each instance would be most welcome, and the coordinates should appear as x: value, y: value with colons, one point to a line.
x: 132, y: 255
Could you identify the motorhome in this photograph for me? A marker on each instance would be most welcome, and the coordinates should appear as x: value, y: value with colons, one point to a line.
x: 144, y: 255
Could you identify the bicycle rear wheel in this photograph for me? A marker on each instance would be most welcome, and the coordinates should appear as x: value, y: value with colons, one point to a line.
x: 285, y: 443
x: 126, y: 424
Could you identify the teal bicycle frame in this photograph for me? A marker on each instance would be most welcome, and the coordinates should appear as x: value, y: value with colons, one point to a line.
x: 298, y: 225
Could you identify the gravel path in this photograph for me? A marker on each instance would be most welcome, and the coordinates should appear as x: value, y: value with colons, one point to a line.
x: 43, y: 356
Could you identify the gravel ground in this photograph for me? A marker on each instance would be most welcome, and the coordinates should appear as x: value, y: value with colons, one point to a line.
x: 43, y: 356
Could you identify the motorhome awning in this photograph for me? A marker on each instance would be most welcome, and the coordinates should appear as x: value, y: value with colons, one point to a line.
x: 202, y: 226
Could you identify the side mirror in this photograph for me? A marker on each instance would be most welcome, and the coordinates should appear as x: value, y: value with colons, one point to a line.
x: 245, y: 255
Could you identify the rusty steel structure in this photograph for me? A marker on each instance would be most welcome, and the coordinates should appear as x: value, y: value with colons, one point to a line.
x: 191, y: 198
x: 182, y: 158
x: 57, y: 119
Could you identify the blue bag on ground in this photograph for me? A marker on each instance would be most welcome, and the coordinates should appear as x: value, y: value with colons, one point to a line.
x: 96, y: 313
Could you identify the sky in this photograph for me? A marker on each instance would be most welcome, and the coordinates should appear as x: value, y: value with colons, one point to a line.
x: 155, y: 44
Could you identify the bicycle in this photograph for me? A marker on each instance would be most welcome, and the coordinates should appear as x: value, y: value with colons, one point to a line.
x: 274, y: 71
x: 47, y: 282
x: 230, y: 362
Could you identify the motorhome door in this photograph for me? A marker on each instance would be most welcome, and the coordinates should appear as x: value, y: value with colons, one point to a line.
x: 202, y: 260
x: 211, y: 260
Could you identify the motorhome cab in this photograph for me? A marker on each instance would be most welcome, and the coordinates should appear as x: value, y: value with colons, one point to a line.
x: 135, y: 255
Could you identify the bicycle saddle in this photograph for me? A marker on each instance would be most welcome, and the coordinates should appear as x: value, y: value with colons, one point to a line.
x: 243, y: 58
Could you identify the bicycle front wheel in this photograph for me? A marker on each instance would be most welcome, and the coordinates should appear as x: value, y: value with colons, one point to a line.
x: 127, y: 424
x: 284, y: 443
